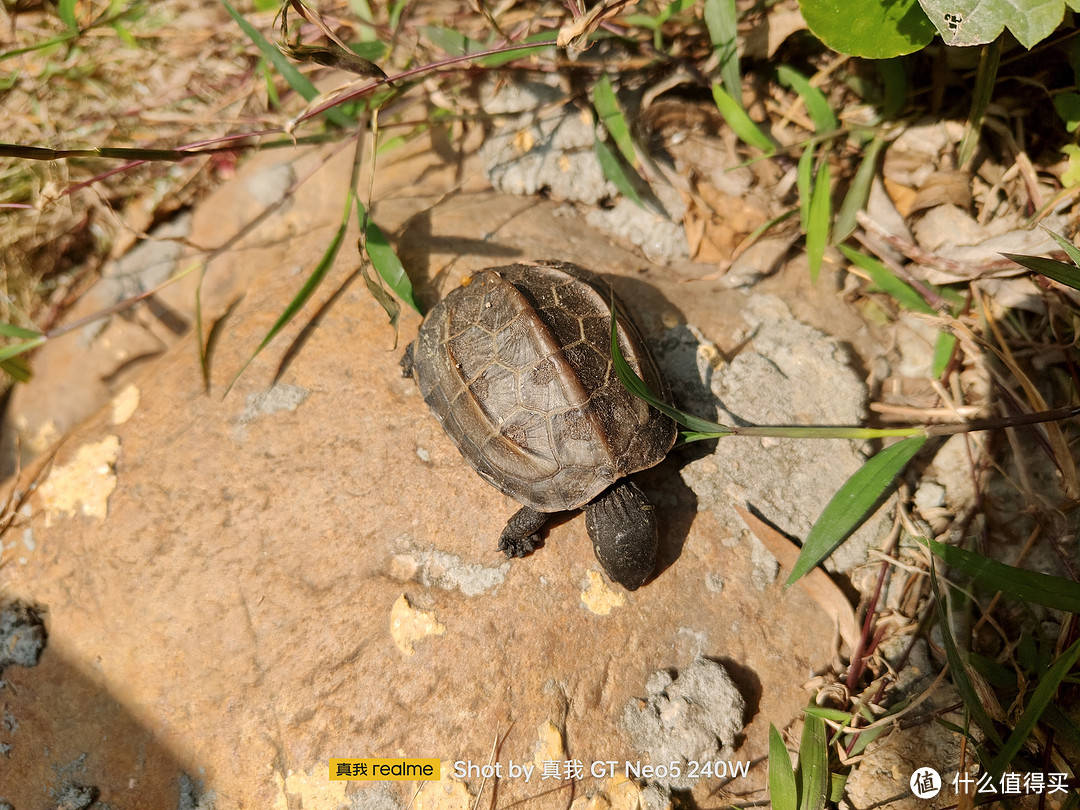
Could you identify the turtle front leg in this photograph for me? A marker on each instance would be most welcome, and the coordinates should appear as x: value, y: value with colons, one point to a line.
x: 622, y: 526
x: 521, y: 536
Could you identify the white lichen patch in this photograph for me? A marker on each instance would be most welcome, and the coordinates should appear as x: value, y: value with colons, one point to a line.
x: 408, y: 624
x: 83, y: 485
x: 598, y: 596
x: 124, y: 405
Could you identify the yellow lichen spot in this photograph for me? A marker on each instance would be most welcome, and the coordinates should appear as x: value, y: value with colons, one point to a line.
x: 313, y: 789
x: 598, y: 596
x: 624, y: 793
x: 124, y: 405
x: 407, y: 624
x: 524, y: 141
x: 595, y: 802
x: 84, y: 484
x: 549, y: 745
x: 44, y: 437
x: 446, y: 794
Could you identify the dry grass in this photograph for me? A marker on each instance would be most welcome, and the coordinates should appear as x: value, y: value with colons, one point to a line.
x: 160, y: 75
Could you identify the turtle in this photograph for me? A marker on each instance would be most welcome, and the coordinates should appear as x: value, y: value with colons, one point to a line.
x: 516, y: 366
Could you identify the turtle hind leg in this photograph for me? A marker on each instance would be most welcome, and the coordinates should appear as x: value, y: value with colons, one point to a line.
x: 521, y: 536
x: 622, y: 526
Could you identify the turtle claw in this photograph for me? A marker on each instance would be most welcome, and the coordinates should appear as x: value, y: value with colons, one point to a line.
x: 521, y: 535
x: 518, y: 546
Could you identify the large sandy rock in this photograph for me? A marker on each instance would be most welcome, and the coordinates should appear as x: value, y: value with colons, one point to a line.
x: 239, y: 587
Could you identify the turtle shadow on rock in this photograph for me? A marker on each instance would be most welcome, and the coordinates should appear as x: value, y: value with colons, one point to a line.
x: 676, y: 351
x: 417, y: 243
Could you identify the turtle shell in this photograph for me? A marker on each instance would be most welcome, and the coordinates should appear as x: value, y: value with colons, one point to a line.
x: 516, y: 365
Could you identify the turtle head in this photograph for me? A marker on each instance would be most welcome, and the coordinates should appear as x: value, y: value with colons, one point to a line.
x: 622, y: 526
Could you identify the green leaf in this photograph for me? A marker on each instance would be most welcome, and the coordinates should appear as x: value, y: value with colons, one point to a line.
x: 958, y: 667
x: 885, y: 280
x: 1060, y: 272
x: 858, y: 192
x: 722, y: 20
x: 977, y: 22
x: 607, y: 107
x: 1071, y: 176
x: 853, y: 502
x: 1029, y: 586
x: 1068, y: 107
x: 297, y: 81
x: 817, y: 219
x: 816, y: 104
x: 873, y: 29
x: 813, y: 772
x: 388, y: 265
x: 782, y: 791
x: 741, y: 123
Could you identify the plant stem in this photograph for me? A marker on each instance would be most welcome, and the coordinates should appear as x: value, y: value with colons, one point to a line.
x: 985, y: 79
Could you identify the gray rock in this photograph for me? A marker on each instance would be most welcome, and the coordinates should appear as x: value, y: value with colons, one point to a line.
x: 792, y: 375
x: 694, y: 717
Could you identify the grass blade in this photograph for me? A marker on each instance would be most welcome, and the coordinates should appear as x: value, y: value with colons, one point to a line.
x: 310, y: 285
x: 617, y: 172
x: 1061, y: 272
x: 1030, y: 586
x: 804, y: 182
x: 388, y: 265
x: 66, y: 11
x: 858, y: 192
x: 636, y: 386
x: 722, y: 20
x: 887, y: 282
x: 958, y: 669
x: 11, y: 330
x: 944, y: 347
x: 607, y: 107
x: 1071, y: 250
x: 15, y: 349
x: 817, y: 220
x: 1040, y: 700
x: 813, y: 765
x: 782, y: 791
x: 452, y: 42
x: 741, y: 123
x: 853, y: 502
x: 817, y: 106
x: 17, y: 368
